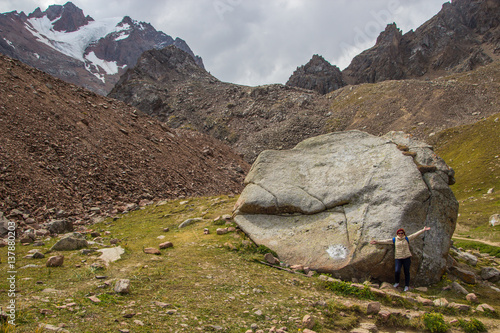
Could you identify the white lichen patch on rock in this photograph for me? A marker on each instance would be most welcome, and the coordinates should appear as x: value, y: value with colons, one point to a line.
x: 337, y: 252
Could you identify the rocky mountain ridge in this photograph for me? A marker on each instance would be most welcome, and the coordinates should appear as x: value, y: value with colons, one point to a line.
x: 168, y: 85
x: 318, y: 75
x: 463, y: 36
x: 65, y: 43
x: 68, y: 152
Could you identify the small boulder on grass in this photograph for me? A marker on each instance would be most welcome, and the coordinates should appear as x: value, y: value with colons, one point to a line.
x: 166, y: 245
x: 151, y: 250
x: 271, y: 259
x: 38, y: 255
x: 373, y: 308
x: 308, y: 321
x: 122, y: 286
x: 55, y: 261
x: 222, y: 231
x: 189, y: 222
x: 70, y: 242
x: 471, y: 297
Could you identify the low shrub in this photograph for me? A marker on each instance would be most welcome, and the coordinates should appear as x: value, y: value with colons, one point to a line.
x: 434, y: 322
x: 346, y: 289
x: 472, y: 326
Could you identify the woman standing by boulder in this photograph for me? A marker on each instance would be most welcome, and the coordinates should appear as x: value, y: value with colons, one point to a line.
x: 402, y: 253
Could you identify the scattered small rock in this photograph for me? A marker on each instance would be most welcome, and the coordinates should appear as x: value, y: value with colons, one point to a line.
x: 70, y: 242
x: 162, y: 304
x: 490, y: 273
x: 94, y: 299
x: 59, y: 226
x: 485, y: 307
x: 442, y: 302
x: 189, y: 222
x: 55, y: 261
x: 494, y: 219
x: 222, y: 231
x: 166, y: 245
x: 271, y: 259
x: 38, y: 255
x: 122, y: 286
x: 472, y: 298
x: 458, y: 288
x: 138, y: 322
x: 152, y: 250
x: 373, y: 308
x: 308, y: 321
x: 49, y: 327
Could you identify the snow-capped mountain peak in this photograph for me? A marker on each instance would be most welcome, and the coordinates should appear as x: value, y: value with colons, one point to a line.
x: 93, y: 53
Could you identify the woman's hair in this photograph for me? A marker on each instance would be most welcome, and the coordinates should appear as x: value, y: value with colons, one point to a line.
x: 401, y: 229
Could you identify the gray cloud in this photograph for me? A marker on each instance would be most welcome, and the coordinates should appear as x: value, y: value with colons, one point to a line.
x: 255, y: 42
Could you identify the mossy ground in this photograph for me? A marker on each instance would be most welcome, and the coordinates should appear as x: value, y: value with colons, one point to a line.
x: 207, y: 281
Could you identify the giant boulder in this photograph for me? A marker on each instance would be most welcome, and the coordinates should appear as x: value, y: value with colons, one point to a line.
x: 320, y: 203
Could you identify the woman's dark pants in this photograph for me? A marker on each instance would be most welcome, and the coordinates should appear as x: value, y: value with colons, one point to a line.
x: 405, y: 263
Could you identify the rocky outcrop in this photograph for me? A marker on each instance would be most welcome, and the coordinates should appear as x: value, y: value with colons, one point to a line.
x: 320, y: 203
x: 169, y: 85
x: 69, y: 17
x: 462, y: 36
x: 318, y: 75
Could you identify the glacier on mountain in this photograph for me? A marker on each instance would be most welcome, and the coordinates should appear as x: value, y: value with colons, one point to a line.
x: 72, y: 44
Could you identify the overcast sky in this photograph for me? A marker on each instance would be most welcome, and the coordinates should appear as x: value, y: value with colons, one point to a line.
x: 254, y: 42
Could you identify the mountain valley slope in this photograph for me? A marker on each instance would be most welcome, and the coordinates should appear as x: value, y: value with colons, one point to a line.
x: 168, y: 85
x: 65, y: 150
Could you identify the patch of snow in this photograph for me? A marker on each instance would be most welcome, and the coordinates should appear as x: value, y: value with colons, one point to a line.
x: 9, y: 42
x: 72, y: 44
x: 99, y: 68
x: 122, y: 35
x: 337, y: 252
x: 37, y: 55
x: 124, y: 27
x: 110, y: 67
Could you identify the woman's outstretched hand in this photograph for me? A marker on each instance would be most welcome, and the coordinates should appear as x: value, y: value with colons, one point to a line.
x: 373, y: 242
x: 427, y: 228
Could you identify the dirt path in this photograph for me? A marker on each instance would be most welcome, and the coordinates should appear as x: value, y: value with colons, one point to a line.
x: 478, y: 240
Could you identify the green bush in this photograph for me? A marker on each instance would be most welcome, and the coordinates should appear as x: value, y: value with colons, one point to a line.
x: 346, y: 289
x: 472, y: 326
x: 434, y: 322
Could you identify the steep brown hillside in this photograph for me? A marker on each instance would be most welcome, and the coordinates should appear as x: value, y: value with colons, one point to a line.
x: 65, y: 150
x: 417, y: 107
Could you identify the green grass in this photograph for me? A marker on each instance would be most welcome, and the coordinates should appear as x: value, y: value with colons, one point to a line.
x: 206, y: 281
x: 483, y: 248
x: 473, y: 151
